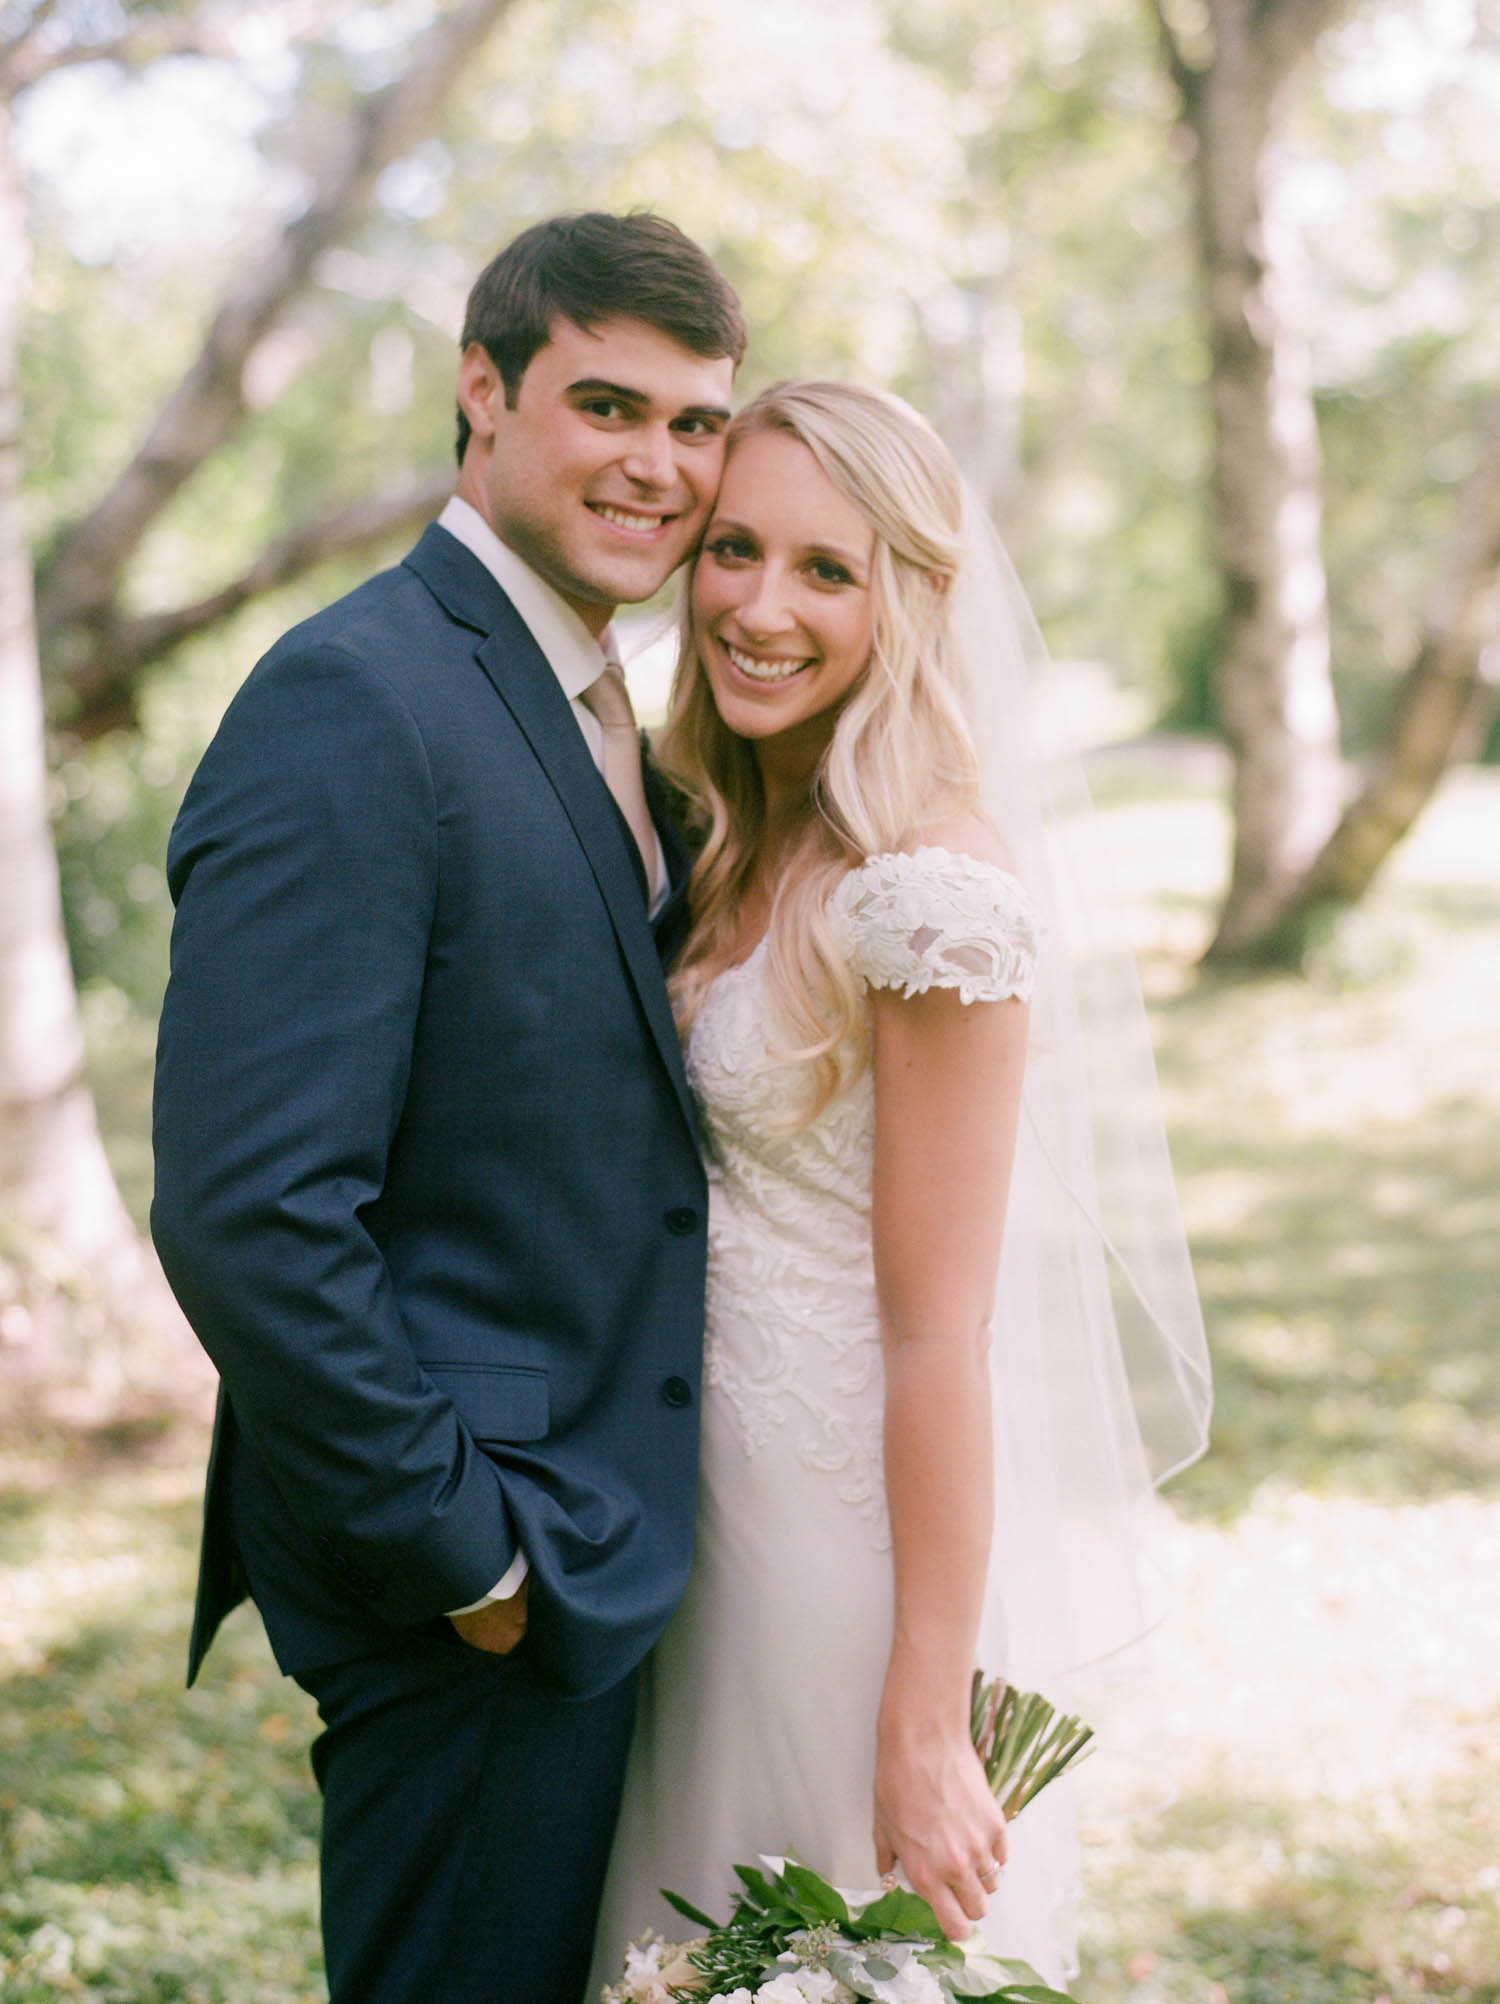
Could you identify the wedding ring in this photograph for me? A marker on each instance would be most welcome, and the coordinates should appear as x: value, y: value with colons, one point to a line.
x: 888, y: 1882
x: 989, y: 1875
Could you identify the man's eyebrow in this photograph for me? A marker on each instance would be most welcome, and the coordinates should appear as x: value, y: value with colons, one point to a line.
x: 600, y: 386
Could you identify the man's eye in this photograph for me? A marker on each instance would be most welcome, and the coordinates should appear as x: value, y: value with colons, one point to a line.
x: 603, y: 407
x: 697, y: 427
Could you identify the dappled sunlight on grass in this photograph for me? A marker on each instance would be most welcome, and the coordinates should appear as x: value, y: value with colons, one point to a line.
x: 156, y: 1843
x: 1250, y: 1899
x: 1332, y: 1676
x: 1332, y: 1664
x: 1337, y: 1142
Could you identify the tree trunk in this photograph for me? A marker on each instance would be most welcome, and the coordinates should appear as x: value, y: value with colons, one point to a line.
x: 68, y: 1251
x: 1275, y: 693
x: 1444, y: 707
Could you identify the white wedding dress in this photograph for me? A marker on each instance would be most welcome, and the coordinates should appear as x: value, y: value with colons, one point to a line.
x: 756, y: 1730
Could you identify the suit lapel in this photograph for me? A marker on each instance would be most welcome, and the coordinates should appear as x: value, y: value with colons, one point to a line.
x: 524, y: 681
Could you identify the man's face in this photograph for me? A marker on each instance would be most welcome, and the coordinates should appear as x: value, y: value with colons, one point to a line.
x: 602, y: 476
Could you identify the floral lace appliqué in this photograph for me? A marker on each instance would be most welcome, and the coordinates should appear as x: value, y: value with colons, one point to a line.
x: 931, y: 918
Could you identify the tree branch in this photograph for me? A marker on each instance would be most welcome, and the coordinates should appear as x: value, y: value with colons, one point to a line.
x: 81, y: 580
x: 30, y: 58
x: 1185, y: 75
x: 105, y: 687
x: 1288, y: 30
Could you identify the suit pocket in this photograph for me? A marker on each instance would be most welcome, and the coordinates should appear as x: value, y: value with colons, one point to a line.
x: 496, y: 1402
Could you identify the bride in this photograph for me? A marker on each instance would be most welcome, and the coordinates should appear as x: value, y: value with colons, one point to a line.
x: 929, y: 1427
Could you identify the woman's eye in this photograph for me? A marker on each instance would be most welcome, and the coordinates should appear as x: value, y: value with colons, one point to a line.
x: 827, y: 572
x: 731, y: 549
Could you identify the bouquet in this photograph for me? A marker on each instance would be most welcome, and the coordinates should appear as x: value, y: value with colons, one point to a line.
x: 795, y: 1939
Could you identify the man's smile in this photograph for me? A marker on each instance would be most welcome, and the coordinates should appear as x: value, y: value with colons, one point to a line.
x: 630, y: 520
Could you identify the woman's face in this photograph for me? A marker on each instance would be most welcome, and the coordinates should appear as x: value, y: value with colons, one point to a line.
x: 783, y: 618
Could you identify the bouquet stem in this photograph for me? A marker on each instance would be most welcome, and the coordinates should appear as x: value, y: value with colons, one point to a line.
x: 1022, y: 1740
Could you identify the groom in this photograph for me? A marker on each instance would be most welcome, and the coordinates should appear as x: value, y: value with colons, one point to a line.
x: 427, y: 1185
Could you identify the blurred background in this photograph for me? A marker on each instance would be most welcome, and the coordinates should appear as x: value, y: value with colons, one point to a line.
x: 1206, y: 296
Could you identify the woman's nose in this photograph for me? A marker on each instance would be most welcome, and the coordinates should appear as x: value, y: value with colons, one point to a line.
x: 766, y: 610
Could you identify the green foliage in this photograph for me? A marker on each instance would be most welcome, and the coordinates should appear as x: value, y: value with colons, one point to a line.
x: 790, y: 1916
x: 984, y: 210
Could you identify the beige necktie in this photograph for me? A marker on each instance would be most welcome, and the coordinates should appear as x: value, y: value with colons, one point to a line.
x: 609, y: 700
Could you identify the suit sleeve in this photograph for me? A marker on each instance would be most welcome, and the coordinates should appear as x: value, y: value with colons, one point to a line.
x: 304, y: 870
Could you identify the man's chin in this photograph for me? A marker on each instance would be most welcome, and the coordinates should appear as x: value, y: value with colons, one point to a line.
x: 629, y: 581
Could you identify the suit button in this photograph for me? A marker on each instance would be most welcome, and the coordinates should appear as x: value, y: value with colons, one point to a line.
x: 681, y: 1220
x: 677, y: 1392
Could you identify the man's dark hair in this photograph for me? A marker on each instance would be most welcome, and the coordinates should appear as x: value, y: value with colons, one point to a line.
x: 594, y: 267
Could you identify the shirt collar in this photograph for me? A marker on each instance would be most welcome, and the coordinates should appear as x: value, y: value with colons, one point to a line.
x: 572, y: 652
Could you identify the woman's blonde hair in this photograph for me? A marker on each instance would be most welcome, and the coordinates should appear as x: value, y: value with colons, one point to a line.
x: 900, y: 755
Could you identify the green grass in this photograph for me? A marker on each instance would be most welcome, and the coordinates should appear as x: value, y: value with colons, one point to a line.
x: 1332, y: 1677
x: 156, y: 1844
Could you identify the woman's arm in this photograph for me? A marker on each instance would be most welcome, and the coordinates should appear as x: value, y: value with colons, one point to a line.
x: 947, y: 1100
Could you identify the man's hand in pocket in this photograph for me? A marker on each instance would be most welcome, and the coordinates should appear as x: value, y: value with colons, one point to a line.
x: 496, y: 1628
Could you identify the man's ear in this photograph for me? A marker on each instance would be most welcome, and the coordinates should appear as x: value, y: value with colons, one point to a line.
x: 481, y: 390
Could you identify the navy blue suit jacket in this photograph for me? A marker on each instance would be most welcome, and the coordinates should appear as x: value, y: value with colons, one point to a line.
x: 427, y: 1186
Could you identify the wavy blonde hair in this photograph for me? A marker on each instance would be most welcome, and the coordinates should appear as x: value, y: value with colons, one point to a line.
x: 900, y: 756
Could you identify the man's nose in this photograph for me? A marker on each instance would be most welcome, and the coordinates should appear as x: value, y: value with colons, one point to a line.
x: 651, y: 460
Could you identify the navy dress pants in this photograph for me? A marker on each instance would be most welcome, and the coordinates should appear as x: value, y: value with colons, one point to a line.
x: 467, y: 1816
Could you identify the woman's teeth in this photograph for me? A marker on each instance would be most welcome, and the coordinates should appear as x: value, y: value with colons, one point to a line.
x: 764, y: 671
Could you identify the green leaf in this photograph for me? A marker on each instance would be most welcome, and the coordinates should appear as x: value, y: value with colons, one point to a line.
x: 814, y: 1898
x: 945, y: 1955
x: 687, y: 1909
x: 898, y: 1913
x: 758, y: 1886
x: 979, y: 1978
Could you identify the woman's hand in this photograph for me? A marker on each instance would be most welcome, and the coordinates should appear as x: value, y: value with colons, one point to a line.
x: 934, y: 1813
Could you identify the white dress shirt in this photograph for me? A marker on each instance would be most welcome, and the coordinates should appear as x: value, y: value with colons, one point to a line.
x: 577, y: 659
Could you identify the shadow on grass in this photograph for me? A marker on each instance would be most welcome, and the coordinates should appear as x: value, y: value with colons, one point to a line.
x: 1351, y: 1309
x: 1286, y: 1900
x: 155, y: 1843
x: 112, y: 1772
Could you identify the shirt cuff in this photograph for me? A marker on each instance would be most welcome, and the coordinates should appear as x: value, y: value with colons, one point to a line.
x: 503, y: 1589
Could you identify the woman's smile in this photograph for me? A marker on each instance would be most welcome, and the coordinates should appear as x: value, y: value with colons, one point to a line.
x: 764, y: 667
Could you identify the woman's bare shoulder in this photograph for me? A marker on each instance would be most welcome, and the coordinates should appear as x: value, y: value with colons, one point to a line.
x: 968, y: 834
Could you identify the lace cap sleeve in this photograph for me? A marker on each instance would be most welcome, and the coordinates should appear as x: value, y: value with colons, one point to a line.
x: 933, y: 918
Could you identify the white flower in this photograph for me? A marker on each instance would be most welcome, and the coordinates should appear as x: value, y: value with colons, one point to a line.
x: 804, y: 1986
x: 912, y: 1983
x: 740, y: 1996
x: 652, y: 1967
